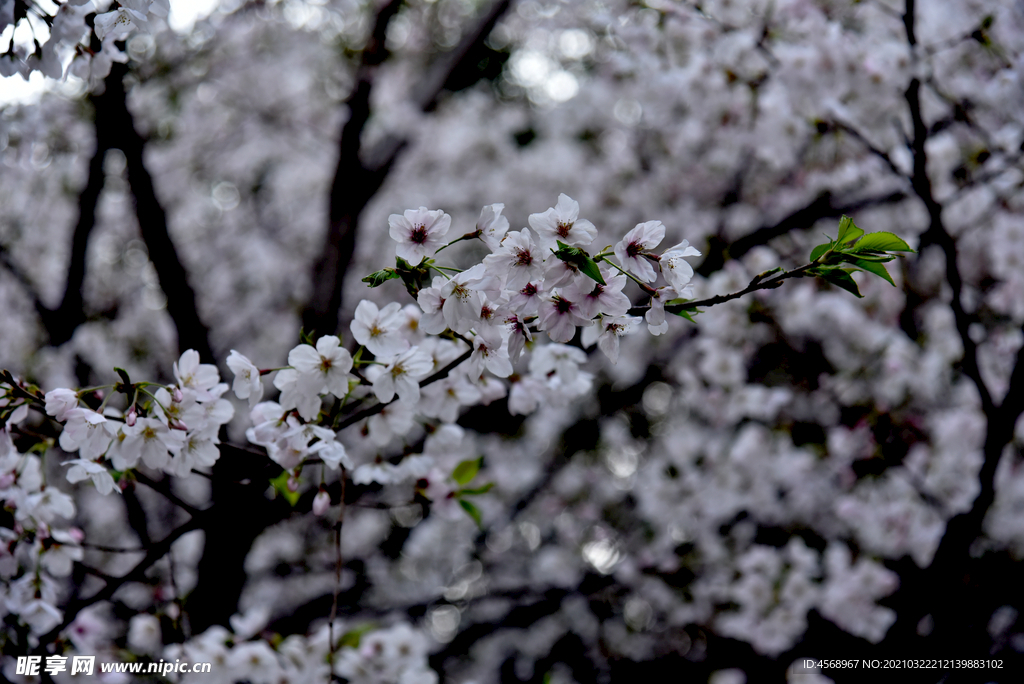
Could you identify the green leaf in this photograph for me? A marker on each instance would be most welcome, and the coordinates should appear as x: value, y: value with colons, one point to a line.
x: 848, y: 231
x: 467, y: 470
x: 476, y: 491
x: 688, y: 314
x: 818, y: 251
x: 353, y: 637
x: 473, y: 512
x: 589, y: 268
x: 307, y: 338
x: 840, y: 277
x: 380, y: 277
x: 852, y: 255
x: 881, y: 242
x: 581, y: 260
x: 280, y: 485
x: 874, y: 267
x: 124, y: 375
x: 770, y: 272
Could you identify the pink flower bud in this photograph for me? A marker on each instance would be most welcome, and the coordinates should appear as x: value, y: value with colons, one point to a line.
x: 131, y: 417
x: 6, y: 480
x: 321, y: 502
x: 76, y: 534
x: 177, y: 396
x: 178, y: 425
x: 293, y: 484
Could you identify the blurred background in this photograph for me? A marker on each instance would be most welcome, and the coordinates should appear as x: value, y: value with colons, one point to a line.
x: 799, y: 474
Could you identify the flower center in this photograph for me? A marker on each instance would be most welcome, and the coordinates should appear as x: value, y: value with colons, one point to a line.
x: 523, y: 257
x: 563, y: 229
x: 633, y: 249
x: 418, y: 234
x: 562, y: 305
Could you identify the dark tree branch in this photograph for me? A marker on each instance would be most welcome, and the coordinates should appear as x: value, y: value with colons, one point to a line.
x: 360, y: 175
x: 821, y: 208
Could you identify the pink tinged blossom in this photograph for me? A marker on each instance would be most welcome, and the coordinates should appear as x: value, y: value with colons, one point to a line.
x: 82, y: 469
x: 489, y: 352
x: 608, y: 299
x: 402, y: 376
x: 177, y: 396
x: 431, y: 302
x: 562, y: 222
x: 329, y: 363
x: 491, y: 225
x: 193, y: 375
x: 518, y: 335
x: 247, y: 383
x: 59, y: 402
x: 321, y: 502
x: 87, y: 432
x: 637, y: 242
x: 131, y: 416
x: 517, y: 260
x: 418, y: 232
x: 379, y: 330
x: 606, y: 333
x: 527, y: 299
x: 655, y: 316
x: 678, y: 272
x: 559, y: 316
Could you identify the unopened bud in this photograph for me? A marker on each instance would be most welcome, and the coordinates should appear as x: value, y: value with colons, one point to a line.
x: 6, y: 480
x: 178, y: 425
x: 177, y: 396
x: 131, y: 417
x: 77, y: 535
x: 293, y: 484
x: 321, y: 502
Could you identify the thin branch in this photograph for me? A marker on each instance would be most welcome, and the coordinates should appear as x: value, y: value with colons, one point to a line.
x: 136, y: 574
x: 377, y: 408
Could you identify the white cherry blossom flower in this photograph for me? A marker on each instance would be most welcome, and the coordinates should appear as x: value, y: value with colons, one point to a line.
x: 444, y: 399
x: 379, y: 330
x: 631, y: 249
x: 517, y: 260
x: 562, y: 222
x: 87, y: 432
x: 152, y: 439
x: 333, y: 454
x: 655, y: 315
x: 193, y: 375
x: 527, y: 299
x: 329, y: 362
x: 300, y: 392
x: 247, y: 383
x: 119, y: 23
x: 489, y: 352
x: 462, y: 301
x: 559, y: 316
x: 59, y: 402
x: 594, y: 298
x: 606, y: 333
x: 402, y: 376
x: 491, y: 225
x: 677, y: 271
x: 418, y: 232
x: 82, y: 469
x: 432, y: 303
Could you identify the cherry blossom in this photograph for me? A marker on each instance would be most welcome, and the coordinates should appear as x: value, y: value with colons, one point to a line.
x: 419, y: 232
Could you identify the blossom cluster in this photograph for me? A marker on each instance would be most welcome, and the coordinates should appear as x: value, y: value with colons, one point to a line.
x: 67, y: 50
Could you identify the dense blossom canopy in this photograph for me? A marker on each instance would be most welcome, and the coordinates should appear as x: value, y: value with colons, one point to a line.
x: 509, y: 459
